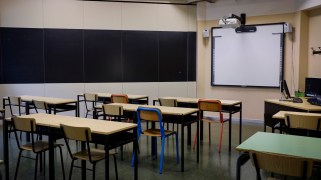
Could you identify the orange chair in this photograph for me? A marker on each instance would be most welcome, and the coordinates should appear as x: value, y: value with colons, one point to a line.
x: 211, y: 106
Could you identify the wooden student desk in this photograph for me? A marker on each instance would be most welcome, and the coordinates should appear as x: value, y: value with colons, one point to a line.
x: 109, y: 133
x: 273, y: 106
x: 228, y: 106
x: 300, y: 146
x: 55, y: 104
x: 105, y: 97
x: 182, y: 116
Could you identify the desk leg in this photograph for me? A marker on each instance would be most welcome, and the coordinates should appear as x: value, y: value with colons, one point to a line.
x: 201, y: 125
x: 83, y: 163
x: 198, y: 142
x: 106, y: 160
x: 189, y: 134
x: 135, y: 144
x: 240, y: 135
x: 77, y: 106
x: 182, y: 146
x: 27, y: 113
x: 5, y: 148
x: 51, y: 155
x: 154, y: 144
x: 241, y: 160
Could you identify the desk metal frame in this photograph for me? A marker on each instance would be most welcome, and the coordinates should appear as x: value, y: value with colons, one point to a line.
x: 53, y: 127
x: 230, y: 107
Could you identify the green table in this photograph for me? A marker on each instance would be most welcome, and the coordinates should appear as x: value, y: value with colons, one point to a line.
x: 301, y: 146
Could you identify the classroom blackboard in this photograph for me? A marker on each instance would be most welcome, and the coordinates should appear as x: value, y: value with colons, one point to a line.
x: 251, y: 59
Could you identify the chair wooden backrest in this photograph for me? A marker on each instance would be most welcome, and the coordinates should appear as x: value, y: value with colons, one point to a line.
x: 212, y: 106
x: 113, y: 110
x: 281, y: 164
x: 149, y: 114
x: 299, y: 121
x: 119, y: 98
x: 76, y: 133
x: 24, y: 125
x: 14, y: 101
x: 167, y: 102
x: 91, y: 97
x: 40, y: 105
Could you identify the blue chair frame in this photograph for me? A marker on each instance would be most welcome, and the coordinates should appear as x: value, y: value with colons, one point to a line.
x: 162, y: 132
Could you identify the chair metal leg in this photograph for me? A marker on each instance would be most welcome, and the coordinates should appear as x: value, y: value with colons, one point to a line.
x: 177, y: 151
x: 62, y: 163
x: 36, y: 166
x: 16, y: 173
x: 116, y: 171
x: 221, y: 134
x: 71, y: 167
x: 94, y: 171
x: 162, y: 157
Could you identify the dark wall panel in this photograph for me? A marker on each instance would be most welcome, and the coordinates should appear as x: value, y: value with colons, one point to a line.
x: 22, y: 55
x: 102, y: 56
x: 63, y: 54
x: 140, y: 56
x: 191, y: 56
x: 172, y: 56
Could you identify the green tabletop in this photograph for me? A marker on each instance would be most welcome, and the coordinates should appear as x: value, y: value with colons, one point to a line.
x: 301, y: 146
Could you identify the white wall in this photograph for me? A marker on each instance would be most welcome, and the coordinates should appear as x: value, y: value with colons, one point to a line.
x: 74, y: 14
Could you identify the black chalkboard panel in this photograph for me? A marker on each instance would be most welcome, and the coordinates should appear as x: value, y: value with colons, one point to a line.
x: 22, y: 55
x: 172, y: 56
x: 140, y: 56
x: 63, y: 53
x: 191, y: 56
x: 102, y: 56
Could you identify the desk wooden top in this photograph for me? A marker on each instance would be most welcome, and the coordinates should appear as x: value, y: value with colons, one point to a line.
x: 48, y: 100
x: 96, y: 126
x: 304, y: 106
x: 195, y: 100
x: 130, y: 96
x: 300, y: 146
x: 177, y: 111
x: 280, y: 114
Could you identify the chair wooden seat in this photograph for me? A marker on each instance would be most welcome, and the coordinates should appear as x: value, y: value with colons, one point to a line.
x: 156, y: 132
x: 38, y: 146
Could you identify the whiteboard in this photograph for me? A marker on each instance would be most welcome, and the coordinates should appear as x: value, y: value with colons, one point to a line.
x: 248, y: 58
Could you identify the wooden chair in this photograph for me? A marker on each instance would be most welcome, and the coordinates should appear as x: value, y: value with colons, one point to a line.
x: 37, y: 147
x: 15, y: 106
x: 155, y: 115
x: 119, y: 98
x: 299, y: 124
x: 169, y: 103
x: 281, y: 164
x: 40, y: 105
x: 211, y: 106
x: 90, y: 102
x: 113, y: 112
x: 89, y: 154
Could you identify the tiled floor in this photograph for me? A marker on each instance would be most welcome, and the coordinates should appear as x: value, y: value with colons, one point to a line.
x: 212, y: 165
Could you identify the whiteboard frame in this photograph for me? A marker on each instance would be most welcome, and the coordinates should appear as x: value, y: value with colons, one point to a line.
x: 282, y: 51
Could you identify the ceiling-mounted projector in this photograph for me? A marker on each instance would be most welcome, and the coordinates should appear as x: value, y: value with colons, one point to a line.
x: 229, y: 23
x: 232, y: 21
